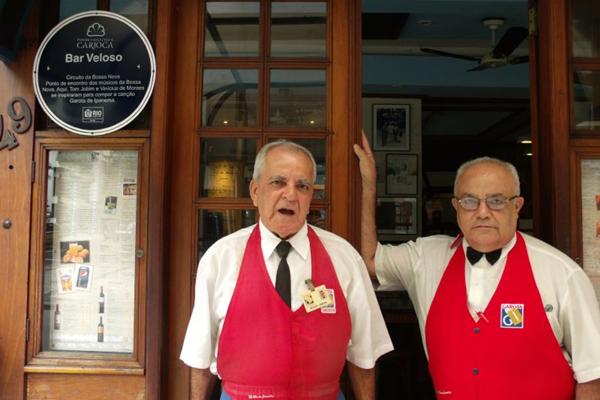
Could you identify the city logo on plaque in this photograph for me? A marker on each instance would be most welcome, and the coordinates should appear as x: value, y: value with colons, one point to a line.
x: 94, y: 73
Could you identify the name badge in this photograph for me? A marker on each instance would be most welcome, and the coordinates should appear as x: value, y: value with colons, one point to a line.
x: 316, y: 297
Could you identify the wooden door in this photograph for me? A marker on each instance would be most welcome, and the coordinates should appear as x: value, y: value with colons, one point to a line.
x: 16, y: 148
x: 208, y: 135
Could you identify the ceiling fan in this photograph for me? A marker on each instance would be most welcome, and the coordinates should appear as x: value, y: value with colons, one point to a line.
x: 500, y: 55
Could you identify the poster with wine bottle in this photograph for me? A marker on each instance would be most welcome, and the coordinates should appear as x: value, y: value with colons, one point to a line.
x: 90, y: 262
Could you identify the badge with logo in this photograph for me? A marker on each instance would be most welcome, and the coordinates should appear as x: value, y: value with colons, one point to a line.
x: 512, y: 316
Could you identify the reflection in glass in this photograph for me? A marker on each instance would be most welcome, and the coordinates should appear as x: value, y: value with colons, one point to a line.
x: 317, y: 218
x: 226, y: 166
x: 586, y: 107
x: 72, y: 7
x: 214, y: 224
x: 229, y: 97
x: 297, y: 98
x: 231, y: 29
x: 586, y: 20
x: 89, y: 251
x: 298, y: 29
x: 135, y: 10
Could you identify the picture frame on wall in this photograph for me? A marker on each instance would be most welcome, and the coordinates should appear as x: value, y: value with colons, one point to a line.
x: 391, y: 127
x: 401, y: 174
x: 404, y: 212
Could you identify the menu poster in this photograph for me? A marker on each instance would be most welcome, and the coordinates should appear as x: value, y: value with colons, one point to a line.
x: 90, y: 269
x: 590, y: 220
x: 590, y: 215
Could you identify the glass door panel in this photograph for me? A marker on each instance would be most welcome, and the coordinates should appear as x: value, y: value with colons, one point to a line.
x: 298, y: 98
x: 226, y: 167
x: 90, y: 251
x: 231, y: 29
x: 298, y: 29
x: 230, y: 97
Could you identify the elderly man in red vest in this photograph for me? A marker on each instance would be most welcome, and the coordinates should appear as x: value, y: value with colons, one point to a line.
x: 281, y: 305
x: 502, y: 314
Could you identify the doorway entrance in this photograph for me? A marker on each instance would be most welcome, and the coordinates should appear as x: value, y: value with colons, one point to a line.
x: 443, y: 83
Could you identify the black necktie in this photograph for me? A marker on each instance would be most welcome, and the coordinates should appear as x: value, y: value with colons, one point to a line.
x: 474, y: 255
x: 282, y: 280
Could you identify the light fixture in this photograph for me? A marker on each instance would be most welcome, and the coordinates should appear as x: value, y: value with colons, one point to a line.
x: 525, y: 141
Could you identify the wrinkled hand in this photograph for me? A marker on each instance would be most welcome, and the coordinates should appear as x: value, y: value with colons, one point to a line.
x: 366, y: 163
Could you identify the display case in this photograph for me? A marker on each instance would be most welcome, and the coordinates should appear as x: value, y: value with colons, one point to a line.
x: 585, y: 163
x: 89, y: 266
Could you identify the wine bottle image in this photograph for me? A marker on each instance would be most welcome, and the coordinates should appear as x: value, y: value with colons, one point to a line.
x: 57, y: 318
x: 101, y: 301
x: 100, y: 331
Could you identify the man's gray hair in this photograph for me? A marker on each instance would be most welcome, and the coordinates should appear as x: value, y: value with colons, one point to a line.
x: 489, y: 160
x: 261, y: 157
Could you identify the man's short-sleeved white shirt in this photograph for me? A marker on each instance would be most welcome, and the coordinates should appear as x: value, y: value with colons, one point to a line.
x: 217, y: 276
x: 566, y: 291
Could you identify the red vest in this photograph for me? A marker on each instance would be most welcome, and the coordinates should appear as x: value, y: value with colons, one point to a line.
x: 268, y: 351
x: 510, y: 353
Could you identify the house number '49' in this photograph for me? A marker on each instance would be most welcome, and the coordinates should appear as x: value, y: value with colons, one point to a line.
x: 20, y: 114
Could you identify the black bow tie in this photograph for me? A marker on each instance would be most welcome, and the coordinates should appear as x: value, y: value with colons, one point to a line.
x: 473, y: 255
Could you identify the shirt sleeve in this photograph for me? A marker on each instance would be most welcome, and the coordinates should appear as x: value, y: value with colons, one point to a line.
x: 580, y: 319
x: 198, y: 349
x: 370, y: 338
x: 395, y: 265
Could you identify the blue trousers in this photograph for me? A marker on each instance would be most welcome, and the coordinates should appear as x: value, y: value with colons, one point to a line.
x: 225, y: 396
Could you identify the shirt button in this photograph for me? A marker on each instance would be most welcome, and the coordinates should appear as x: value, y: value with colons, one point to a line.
x: 476, y: 329
x: 475, y: 371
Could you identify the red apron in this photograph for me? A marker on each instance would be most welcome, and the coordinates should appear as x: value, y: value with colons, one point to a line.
x: 268, y: 351
x: 510, y: 353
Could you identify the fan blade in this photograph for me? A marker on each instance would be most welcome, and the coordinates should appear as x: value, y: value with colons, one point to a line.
x: 518, y: 60
x: 446, y: 54
x: 510, y: 41
x: 478, y: 68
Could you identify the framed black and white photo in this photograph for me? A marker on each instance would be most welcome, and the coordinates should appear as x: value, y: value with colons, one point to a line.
x: 391, y: 127
x: 397, y: 215
x: 401, y: 174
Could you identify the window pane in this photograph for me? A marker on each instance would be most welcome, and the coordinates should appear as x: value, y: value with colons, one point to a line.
x: 89, y: 260
x: 213, y: 224
x: 586, y: 108
x: 298, y: 29
x: 586, y: 28
x: 72, y: 7
x: 297, y: 98
x: 135, y: 10
x: 317, y: 218
x: 226, y: 167
x: 231, y: 29
x: 230, y: 97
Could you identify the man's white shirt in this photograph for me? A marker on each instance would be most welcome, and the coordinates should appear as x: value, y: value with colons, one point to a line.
x: 566, y: 292
x: 217, y: 276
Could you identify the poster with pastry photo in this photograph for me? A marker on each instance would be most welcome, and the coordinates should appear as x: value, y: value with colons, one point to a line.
x: 75, y: 251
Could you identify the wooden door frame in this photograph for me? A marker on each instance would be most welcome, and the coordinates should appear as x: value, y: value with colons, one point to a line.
x: 344, y: 90
x: 551, y: 159
x: 16, y: 177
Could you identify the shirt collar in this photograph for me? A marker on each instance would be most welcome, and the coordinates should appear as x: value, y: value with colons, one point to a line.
x: 508, y: 247
x: 269, y: 241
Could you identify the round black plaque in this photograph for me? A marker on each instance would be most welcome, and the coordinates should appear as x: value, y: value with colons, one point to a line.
x: 94, y: 72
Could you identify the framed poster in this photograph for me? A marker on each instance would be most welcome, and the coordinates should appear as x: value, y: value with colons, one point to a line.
x: 401, y: 174
x: 391, y: 127
x: 397, y: 215
x: 590, y: 215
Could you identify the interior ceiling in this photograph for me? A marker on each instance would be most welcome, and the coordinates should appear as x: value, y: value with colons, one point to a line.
x: 394, y: 31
